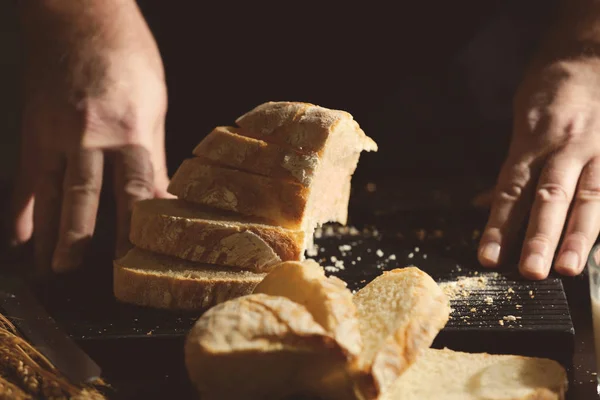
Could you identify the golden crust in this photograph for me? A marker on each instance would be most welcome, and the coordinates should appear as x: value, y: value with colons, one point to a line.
x: 174, y: 227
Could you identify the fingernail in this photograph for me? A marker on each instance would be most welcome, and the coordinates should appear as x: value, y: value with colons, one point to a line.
x: 491, y: 252
x: 568, y: 260
x: 534, y: 263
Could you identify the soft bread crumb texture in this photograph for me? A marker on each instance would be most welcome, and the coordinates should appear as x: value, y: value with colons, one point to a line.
x: 449, y: 375
x: 400, y: 313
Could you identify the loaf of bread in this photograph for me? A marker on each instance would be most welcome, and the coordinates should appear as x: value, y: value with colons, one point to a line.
x: 249, y: 199
x: 195, y: 233
x: 149, y: 279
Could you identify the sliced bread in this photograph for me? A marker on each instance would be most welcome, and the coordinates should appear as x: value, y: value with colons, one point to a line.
x: 192, y: 232
x: 450, y: 375
x: 333, y: 136
x: 149, y: 279
x: 224, y: 146
x: 326, y: 298
x: 399, y: 314
x: 256, y: 347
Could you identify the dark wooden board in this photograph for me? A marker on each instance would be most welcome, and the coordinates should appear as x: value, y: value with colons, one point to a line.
x: 129, y: 341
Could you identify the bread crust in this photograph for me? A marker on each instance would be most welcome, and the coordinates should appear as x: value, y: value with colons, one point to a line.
x: 160, y: 289
x: 281, y: 202
x: 326, y: 298
x: 302, y: 126
x: 174, y: 227
x: 256, y: 347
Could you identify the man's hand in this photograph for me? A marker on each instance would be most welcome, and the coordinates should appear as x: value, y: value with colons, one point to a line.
x: 552, y: 171
x: 94, y: 93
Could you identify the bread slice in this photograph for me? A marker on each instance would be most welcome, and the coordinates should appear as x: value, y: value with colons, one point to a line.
x: 326, y: 298
x: 256, y: 347
x: 148, y: 279
x: 450, y: 375
x: 224, y: 146
x: 281, y: 202
x: 191, y: 232
x: 399, y: 314
x: 333, y: 136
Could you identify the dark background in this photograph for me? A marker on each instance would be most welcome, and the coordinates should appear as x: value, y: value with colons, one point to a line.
x: 431, y: 82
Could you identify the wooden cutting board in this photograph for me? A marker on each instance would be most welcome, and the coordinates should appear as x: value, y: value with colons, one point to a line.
x: 495, y: 312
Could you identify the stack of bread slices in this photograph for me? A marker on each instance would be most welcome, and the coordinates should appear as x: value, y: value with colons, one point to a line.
x: 249, y: 199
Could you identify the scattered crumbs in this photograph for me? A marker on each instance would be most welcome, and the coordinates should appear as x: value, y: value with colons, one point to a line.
x: 358, y: 258
x: 149, y: 333
x: 417, y: 249
x: 473, y: 309
x: 371, y: 187
x: 510, y: 290
x: 345, y: 247
x: 322, y: 249
x: 411, y: 255
x: 438, y: 234
x: 489, y: 300
x: 501, y: 322
x: 518, y: 306
x: 511, y: 318
x: 353, y: 263
x: 476, y: 273
x: 392, y: 257
x: 531, y: 292
x: 463, y: 286
x: 330, y: 268
x: 333, y: 259
x: 354, y: 291
x: 369, y: 250
x: 379, y: 253
x: 458, y: 268
x: 312, y: 251
x: 425, y: 256
x: 484, y: 311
